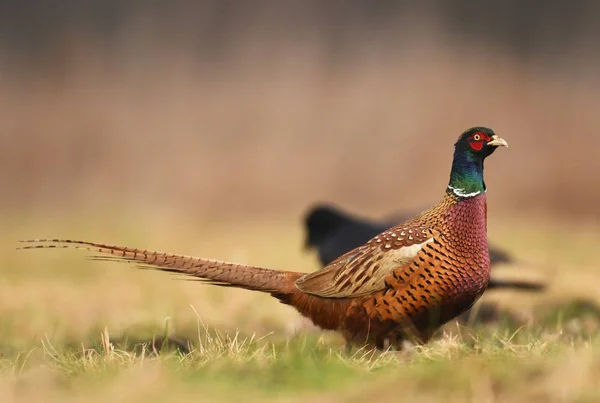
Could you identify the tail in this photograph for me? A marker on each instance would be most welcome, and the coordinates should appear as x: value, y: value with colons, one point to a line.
x: 278, y: 283
x: 515, y: 284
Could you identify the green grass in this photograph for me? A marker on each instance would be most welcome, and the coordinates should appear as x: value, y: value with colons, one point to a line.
x: 74, y: 330
x: 519, y: 367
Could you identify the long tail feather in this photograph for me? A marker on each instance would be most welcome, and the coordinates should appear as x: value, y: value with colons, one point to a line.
x: 213, y: 271
x: 516, y: 284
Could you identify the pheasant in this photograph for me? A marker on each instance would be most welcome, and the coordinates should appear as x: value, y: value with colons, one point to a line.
x: 333, y: 232
x: 401, y: 285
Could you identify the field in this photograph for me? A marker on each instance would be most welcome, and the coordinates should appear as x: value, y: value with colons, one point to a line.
x: 208, y: 128
x: 74, y: 329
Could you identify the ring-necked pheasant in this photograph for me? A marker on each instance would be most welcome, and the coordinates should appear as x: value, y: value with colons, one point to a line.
x: 333, y: 232
x: 402, y: 284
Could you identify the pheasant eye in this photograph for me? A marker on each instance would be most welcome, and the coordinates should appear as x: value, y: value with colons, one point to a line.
x: 477, y: 137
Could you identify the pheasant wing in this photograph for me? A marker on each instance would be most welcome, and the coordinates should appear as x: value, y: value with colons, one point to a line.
x: 363, y: 270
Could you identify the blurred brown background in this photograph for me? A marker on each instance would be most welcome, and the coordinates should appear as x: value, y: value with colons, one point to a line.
x: 228, y: 108
x: 208, y: 128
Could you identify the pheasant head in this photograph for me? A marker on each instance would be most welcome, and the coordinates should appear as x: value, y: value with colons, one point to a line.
x: 471, y: 149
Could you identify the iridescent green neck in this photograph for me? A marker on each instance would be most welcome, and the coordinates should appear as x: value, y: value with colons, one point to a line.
x: 466, y: 177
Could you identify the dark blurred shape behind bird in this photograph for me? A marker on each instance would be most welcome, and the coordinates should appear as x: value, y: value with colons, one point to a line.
x: 333, y: 232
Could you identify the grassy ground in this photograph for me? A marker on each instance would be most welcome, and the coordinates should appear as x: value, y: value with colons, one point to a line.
x: 72, y: 329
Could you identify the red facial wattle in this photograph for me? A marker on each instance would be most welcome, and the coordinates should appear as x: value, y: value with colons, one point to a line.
x: 476, y: 145
x: 478, y: 140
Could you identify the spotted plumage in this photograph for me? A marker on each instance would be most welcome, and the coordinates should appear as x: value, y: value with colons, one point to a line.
x: 333, y: 232
x: 402, y: 284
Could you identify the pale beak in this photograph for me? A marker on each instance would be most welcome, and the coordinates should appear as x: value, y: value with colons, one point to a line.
x: 497, y: 141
